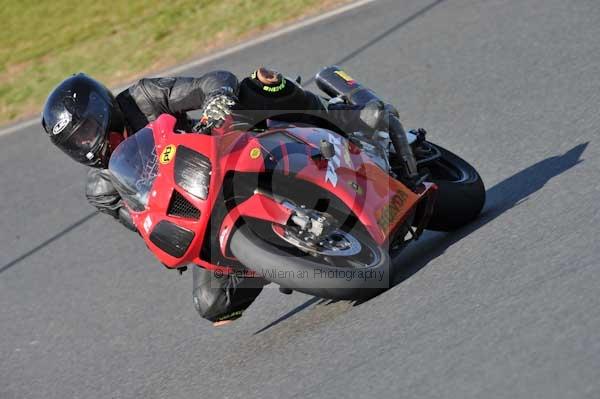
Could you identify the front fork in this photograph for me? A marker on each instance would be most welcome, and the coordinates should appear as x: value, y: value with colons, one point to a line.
x: 404, y: 152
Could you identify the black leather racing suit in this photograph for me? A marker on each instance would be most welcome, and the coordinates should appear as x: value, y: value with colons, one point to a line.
x: 215, y: 298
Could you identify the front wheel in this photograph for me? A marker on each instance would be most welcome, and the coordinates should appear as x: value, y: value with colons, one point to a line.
x: 461, y: 193
x: 361, y: 275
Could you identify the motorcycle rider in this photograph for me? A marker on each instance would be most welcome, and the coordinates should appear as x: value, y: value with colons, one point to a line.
x: 84, y: 119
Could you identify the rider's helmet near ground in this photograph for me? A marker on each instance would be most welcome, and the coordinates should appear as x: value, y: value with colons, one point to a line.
x: 79, y: 115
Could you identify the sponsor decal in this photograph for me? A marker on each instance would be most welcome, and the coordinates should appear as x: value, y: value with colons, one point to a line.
x: 229, y: 316
x: 388, y: 214
x: 346, y: 77
x: 275, y: 89
x: 167, y: 154
x: 354, y: 186
x: 346, y: 154
x: 255, y: 152
x: 334, y: 162
x: 147, y: 224
x: 63, y: 121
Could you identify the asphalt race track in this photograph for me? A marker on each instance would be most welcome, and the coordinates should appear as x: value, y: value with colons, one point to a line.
x: 508, y: 307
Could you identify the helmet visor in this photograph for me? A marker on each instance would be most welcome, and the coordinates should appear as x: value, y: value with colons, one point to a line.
x: 88, y: 136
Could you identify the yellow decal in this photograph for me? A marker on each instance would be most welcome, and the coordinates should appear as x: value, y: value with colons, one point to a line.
x: 354, y: 185
x: 255, y: 153
x: 167, y: 154
x: 388, y: 215
x: 344, y: 76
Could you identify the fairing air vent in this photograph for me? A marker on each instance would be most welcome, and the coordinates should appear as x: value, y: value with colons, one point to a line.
x: 181, y: 207
x: 192, y: 172
x: 171, y: 238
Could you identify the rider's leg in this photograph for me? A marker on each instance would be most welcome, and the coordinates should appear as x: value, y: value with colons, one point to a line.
x: 221, y: 299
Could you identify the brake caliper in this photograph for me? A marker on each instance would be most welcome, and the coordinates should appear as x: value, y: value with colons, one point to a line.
x: 314, y: 232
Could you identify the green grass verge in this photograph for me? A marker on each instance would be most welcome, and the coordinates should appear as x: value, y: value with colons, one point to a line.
x: 115, y: 41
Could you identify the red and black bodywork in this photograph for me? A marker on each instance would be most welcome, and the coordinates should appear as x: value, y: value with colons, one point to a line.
x: 188, y: 192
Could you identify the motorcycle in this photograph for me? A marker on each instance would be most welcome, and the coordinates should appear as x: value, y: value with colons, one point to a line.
x: 304, y: 207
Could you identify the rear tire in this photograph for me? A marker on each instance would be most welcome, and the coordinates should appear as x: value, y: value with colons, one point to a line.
x: 461, y: 193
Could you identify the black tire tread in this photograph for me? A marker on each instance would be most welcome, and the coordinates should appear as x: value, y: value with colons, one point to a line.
x: 258, y: 255
x: 458, y: 203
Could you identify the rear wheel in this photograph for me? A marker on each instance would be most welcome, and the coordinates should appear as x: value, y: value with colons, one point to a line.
x: 461, y: 193
x: 348, y: 265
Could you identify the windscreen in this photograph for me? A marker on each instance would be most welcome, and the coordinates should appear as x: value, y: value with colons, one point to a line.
x: 134, y: 166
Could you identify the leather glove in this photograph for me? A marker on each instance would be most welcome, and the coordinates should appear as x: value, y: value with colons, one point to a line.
x: 217, y: 105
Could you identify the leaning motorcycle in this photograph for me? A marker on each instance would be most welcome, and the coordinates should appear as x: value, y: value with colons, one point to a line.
x: 307, y: 208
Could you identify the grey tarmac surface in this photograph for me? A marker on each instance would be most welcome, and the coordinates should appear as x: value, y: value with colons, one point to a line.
x: 508, y: 307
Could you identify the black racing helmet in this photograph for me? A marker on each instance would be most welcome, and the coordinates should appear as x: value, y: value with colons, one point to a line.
x: 79, y: 115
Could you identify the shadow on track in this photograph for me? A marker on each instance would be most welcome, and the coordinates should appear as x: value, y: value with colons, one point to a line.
x: 289, y: 314
x: 500, y: 198
x: 48, y: 241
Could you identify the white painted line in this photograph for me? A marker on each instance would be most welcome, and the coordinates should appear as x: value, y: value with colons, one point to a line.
x: 19, y: 126
x: 178, y: 69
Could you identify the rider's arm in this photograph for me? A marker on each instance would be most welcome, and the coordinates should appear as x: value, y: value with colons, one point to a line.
x: 101, y: 193
x: 174, y: 95
x: 188, y: 94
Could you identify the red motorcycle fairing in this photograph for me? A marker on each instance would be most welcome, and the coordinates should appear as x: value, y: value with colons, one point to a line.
x: 379, y: 202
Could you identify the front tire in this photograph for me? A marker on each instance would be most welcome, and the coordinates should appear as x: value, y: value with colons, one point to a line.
x: 305, y: 273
